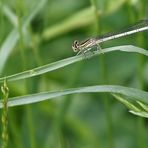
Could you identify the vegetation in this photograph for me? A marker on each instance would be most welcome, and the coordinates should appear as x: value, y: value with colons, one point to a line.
x: 53, y: 99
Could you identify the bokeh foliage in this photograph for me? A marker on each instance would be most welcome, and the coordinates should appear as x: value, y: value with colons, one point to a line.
x: 38, y: 32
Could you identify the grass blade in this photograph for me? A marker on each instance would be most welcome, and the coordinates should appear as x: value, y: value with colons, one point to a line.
x: 134, y: 94
x: 59, y: 64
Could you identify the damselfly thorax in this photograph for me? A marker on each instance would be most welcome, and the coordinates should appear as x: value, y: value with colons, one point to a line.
x: 84, y: 46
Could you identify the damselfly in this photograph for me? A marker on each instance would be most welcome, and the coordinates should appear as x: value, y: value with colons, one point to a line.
x: 89, y: 44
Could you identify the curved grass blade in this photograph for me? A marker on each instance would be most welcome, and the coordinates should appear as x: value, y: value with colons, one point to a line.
x: 59, y: 64
x: 134, y: 94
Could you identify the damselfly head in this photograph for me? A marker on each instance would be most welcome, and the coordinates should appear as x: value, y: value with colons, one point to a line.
x: 75, y: 46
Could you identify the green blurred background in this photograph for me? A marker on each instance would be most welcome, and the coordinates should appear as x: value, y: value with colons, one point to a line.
x: 74, y: 121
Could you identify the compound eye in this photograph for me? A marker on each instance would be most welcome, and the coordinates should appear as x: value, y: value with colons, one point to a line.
x: 75, y: 46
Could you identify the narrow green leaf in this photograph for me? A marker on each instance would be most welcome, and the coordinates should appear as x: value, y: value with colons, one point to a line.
x: 126, y: 103
x: 144, y: 106
x: 134, y: 94
x: 141, y: 114
x: 141, y: 110
x: 59, y: 64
